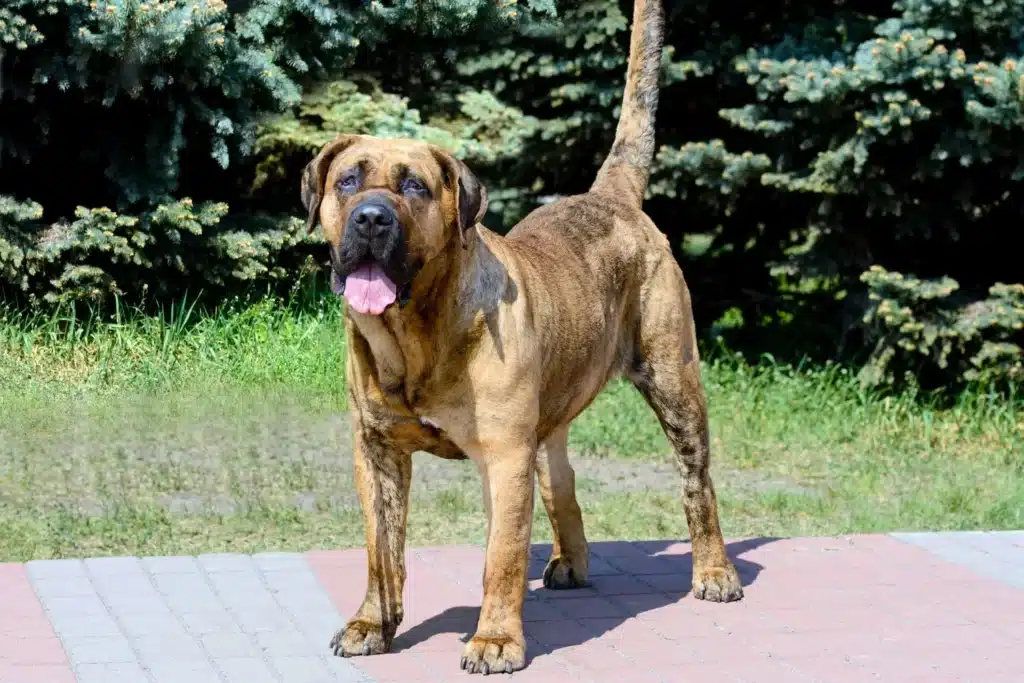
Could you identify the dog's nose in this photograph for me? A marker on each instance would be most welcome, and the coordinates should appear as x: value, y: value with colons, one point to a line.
x: 366, y: 217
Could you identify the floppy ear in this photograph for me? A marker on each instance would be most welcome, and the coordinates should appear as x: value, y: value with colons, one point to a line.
x: 315, y: 175
x: 470, y: 194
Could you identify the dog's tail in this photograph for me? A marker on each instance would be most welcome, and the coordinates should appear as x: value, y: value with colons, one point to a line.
x: 625, y: 170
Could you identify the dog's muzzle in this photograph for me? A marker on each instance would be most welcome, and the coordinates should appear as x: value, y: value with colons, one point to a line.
x: 372, y: 258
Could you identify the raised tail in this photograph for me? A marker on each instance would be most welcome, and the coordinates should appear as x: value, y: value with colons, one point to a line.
x: 626, y: 169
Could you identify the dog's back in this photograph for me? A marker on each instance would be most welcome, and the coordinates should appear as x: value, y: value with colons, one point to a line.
x: 592, y: 252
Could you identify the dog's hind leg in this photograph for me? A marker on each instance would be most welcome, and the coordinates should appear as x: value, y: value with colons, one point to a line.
x: 567, y: 567
x: 666, y: 370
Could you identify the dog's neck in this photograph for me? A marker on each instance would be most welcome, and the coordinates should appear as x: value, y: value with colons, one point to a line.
x: 453, y: 295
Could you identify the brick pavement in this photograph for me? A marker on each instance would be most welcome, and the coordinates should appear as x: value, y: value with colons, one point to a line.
x: 899, y: 608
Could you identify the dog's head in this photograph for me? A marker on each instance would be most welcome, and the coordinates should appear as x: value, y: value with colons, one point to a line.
x: 387, y: 207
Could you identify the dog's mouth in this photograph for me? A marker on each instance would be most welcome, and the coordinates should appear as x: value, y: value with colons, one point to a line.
x: 367, y: 289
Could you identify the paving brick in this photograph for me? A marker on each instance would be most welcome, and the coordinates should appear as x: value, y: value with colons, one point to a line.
x: 274, y: 562
x: 159, y: 648
x: 123, y: 604
x: 959, y: 549
x: 32, y: 651
x: 309, y: 669
x: 291, y: 582
x: 346, y: 672
x: 64, y: 587
x: 159, y: 623
x: 113, y: 565
x: 245, y: 670
x: 179, y: 584
x: 866, y: 608
x: 74, y: 606
x: 99, y: 650
x: 284, y: 643
x: 36, y: 673
x: 47, y: 569
x: 620, y: 584
x: 229, y: 645
x: 225, y: 562
x: 170, y: 565
x: 999, y: 546
x: 257, y: 620
x: 77, y: 626
x: 215, y: 619
x: 172, y: 671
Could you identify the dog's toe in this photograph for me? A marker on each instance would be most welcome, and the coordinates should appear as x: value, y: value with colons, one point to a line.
x: 360, y: 638
x: 717, y: 584
x: 493, y: 655
x: 561, y: 574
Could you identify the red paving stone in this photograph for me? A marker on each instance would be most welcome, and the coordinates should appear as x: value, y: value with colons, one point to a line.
x: 862, y: 608
x: 30, y: 651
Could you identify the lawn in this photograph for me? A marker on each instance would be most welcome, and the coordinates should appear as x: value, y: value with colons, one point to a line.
x: 180, y: 434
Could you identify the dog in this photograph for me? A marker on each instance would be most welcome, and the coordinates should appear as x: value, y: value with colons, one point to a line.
x: 467, y: 344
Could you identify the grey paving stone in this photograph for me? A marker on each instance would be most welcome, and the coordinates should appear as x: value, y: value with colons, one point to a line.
x: 170, y: 565
x: 225, y: 562
x: 309, y: 669
x: 252, y: 600
x: 345, y: 671
x: 170, y: 671
x: 74, y: 606
x: 161, y: 623
x: 305, y: 602
x: 284, y: 643
x: 99, y: 650
x: 246, y: 670
x: 291, y: 581
x: 63, y: 587
x: 123, y: 584
x: 228, y: 645
x: 163, y: 648
x: 254, y: 621
x: 134, y: 603
x: 1000, y: 548
x: 1014, y: 537
x: 113, y: 565
x: 55, y: 569
x: 111, y: 673
x: 213, y: 620
x: 320, y: 628
x: 79, y: 626
x: 272, y: 562
x: 960, y: 548
x: 182, y: 584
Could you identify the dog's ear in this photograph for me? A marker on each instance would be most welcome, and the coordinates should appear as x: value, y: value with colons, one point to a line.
x: 469, y: 193
x: 315, y: 175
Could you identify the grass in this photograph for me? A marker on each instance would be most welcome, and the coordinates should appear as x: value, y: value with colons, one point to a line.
x: 182, y: 433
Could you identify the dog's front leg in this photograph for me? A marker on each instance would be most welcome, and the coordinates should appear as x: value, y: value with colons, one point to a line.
x: 499, y: 644
x: 382, y: 473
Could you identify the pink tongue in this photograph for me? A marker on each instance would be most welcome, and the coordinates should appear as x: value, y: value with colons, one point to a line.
x: 369, y: 290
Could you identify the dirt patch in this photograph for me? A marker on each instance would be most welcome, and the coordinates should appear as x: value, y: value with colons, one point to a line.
x: 227, y: 454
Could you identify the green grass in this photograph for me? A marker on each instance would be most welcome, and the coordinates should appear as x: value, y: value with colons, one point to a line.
x: 190, y: 434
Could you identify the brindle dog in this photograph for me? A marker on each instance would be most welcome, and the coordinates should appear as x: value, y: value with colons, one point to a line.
x: 471, y: 345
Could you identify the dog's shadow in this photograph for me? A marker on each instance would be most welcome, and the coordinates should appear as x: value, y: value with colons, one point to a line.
x: 627, y: 580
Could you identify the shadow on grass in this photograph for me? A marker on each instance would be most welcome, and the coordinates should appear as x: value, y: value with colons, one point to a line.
x: 626, y: 580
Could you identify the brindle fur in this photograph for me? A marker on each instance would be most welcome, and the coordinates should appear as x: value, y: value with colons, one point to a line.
x: 503, y: 341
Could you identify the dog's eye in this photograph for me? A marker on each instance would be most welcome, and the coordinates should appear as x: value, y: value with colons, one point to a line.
x: 348, y: 183
x: 413, y: 186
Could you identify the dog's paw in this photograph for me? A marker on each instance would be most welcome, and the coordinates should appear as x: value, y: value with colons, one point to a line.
x: 561, y: 574
x: 494, y: 654
x: 717, y: 584
x: 361, y: 638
